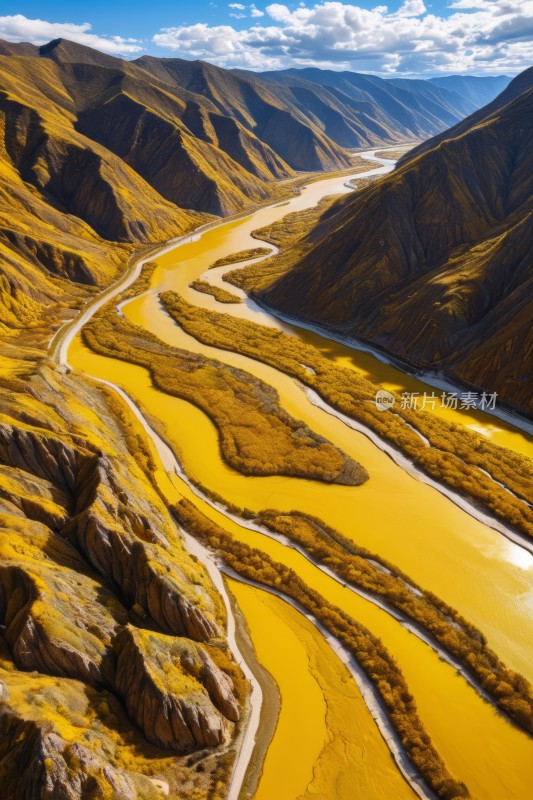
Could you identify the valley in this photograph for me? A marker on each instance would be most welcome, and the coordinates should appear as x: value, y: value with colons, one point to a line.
x: 456, y: 551
x: 266, y: 510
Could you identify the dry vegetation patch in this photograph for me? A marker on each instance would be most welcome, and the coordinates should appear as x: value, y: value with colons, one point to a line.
x: 220, y: 295
x: 241, y: 255
x: 457, y: 457
x: 257, y: 436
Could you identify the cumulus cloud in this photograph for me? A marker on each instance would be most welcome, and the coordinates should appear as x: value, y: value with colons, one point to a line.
x: 411, y: 8
x: 17, y: 28
x: 241, y: 11
x: 476, y: 36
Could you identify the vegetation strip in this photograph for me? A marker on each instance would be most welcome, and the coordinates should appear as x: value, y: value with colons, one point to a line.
x: 373, y: 575
x: 367, y: 649
x: 221, y: 295
x: 241, y: 255
x: 257, y: 436
x: 411, y: 468
x: 456, y: 457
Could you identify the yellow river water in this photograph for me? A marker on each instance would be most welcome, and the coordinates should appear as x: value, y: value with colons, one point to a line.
x: 474, y: 568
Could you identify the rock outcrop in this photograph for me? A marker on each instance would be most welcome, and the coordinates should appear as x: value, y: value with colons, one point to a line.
x: 99, y: 600
x: 62, y: 756
x: 174, y: 691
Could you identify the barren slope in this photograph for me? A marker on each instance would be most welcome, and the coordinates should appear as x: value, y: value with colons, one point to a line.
x: 432, y: 263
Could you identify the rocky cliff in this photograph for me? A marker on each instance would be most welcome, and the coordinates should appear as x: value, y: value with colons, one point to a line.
x: 432, y: 263
x: 107, y: 624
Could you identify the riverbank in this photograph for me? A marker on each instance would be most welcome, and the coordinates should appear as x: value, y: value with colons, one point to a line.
x: 270, y: 707
x: 432, y: 379
x: 173, y: 417
x: 449, y: 457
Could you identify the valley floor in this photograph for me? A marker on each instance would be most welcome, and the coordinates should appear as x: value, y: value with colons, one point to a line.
x: 363, y: 578
x: 331, y: 733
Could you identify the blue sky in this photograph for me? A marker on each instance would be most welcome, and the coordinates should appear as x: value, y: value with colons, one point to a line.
x: 138, y: 19
x: 401, y: 37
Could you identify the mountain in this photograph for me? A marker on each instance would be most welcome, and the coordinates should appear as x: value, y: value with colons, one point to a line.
x: 114, y: 661
x: 432, y: 264
x: 94, y: 158
x: 480, y: 91
x: 520, y: 84
x: 68, y: 207
x: 98, y: 154
x: 254, y: 107
x: 358, y: 110
x: 162, y: 144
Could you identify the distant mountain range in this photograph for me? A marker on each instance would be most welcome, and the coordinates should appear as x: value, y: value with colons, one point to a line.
x: 97, y: 153
x: 363, y: 110
x: 433, y: 263
x: 208, y: 139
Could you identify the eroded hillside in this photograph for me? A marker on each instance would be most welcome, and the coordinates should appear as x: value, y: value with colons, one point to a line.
x: 106, y: 619
x: 432, y: 263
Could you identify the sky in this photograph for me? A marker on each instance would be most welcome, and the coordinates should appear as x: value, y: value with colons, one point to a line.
x: 411, y: 38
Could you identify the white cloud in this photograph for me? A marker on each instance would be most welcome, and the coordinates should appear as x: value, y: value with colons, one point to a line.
x: 17, y: 28
x: 411, y: 8
x: 477, y: 36
x: 241, y: 11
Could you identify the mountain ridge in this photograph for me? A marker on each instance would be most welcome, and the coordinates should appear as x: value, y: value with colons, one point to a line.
x: 98, y: 155
x: 430, y: 264
x: 372, y: 106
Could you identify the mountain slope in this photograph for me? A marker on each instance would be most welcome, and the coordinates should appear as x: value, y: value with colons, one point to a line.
x: 522, y: 83
x: 159, y: 133
x: 480, y: 90
x: 360, y: 110
x: 100, y: 602
x: 256, y: 108
x: 432, y: 263
x: 132, y: 129
x: 94, y: 158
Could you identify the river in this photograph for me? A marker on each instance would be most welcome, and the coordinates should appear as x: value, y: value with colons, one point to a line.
x: 475, y: 569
